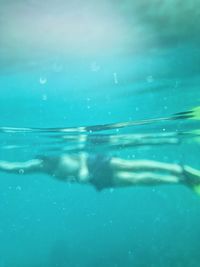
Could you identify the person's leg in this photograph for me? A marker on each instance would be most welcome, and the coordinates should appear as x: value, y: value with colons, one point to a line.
x: 145, y: 172
x: 145, y: 166
x: 192, y: 177
x: 122, y: 178
x: 30, y: 166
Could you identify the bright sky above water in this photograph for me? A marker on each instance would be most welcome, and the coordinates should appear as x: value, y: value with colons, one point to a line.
x: 31, y: 31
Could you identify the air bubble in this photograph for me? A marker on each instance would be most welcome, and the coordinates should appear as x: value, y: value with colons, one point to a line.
x: 44, y: 97
x: 18, y: 188
x: 115, y: 77
x: 21, y: 171
x: 43, y: 80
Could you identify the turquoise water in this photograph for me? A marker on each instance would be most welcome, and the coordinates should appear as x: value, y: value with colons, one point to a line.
x: 123, y: 72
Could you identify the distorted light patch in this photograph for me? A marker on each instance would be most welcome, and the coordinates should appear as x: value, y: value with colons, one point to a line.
x: 82, y: 29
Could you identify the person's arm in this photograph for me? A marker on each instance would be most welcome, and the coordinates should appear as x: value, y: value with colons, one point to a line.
x: 27, y: 167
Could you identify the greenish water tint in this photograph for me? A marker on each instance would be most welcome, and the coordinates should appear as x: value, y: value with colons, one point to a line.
x: 125, y: 83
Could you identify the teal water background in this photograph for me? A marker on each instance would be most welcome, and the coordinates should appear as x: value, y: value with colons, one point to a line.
x: 47, y: 223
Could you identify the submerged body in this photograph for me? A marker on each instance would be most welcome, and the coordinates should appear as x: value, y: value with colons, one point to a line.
x: 102, y: 171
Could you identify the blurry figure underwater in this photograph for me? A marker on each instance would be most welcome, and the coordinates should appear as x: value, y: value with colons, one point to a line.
x: 102, y: 171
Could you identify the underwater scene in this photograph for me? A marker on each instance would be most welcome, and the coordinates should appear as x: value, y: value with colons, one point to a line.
x: 99, y: 133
